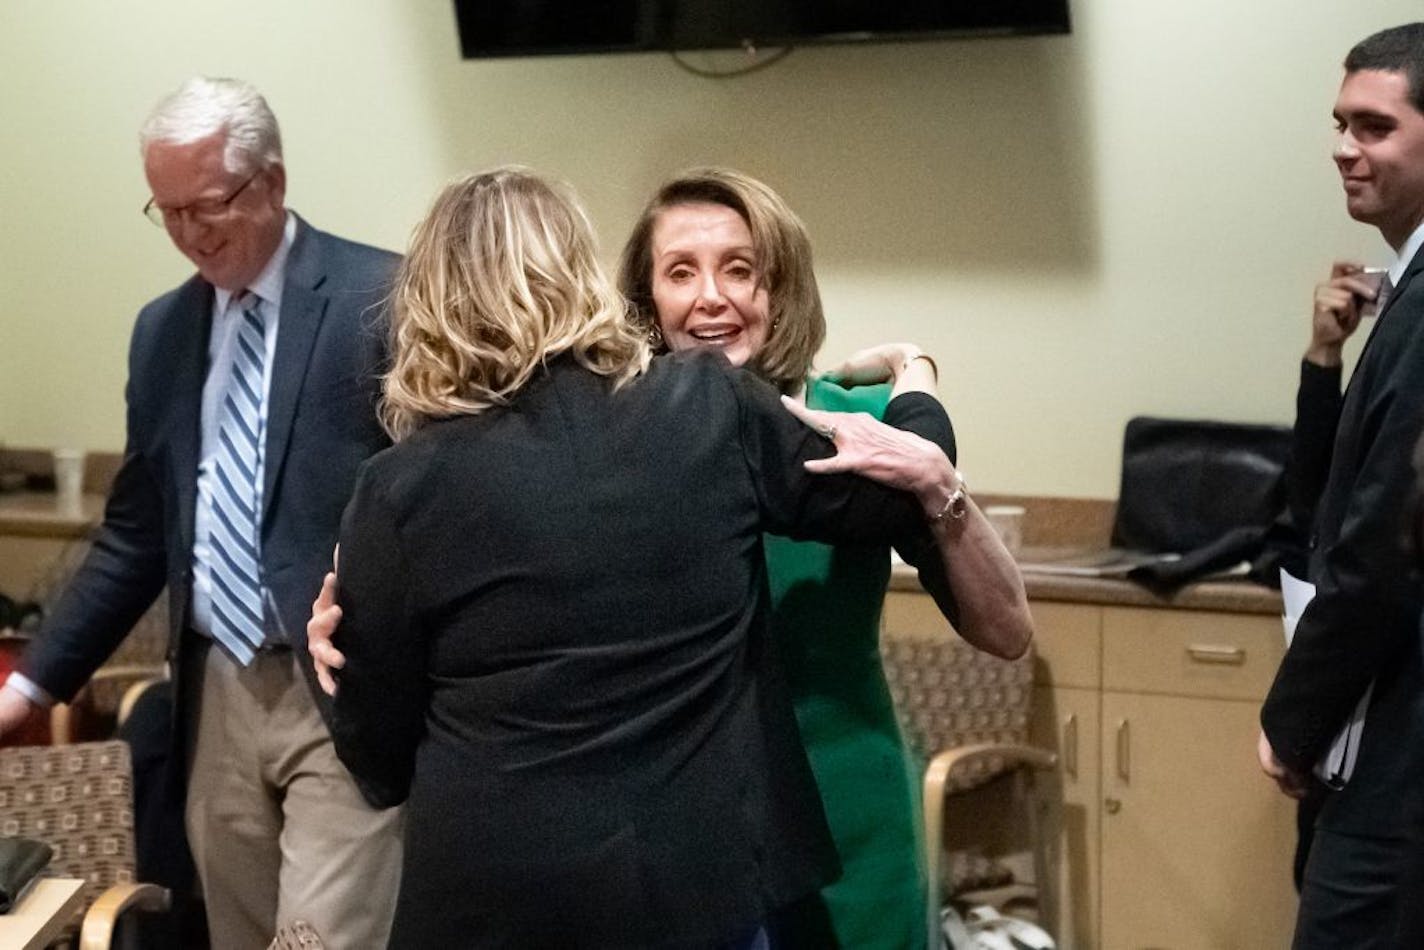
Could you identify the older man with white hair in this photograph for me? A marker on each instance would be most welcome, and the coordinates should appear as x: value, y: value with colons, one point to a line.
x: 251, y: 404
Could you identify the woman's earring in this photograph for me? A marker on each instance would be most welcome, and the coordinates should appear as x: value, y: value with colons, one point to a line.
x: 655, y: 338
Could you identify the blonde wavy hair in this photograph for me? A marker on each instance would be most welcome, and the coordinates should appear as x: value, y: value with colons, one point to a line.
x: 797, y: 324
x: 501, y: 275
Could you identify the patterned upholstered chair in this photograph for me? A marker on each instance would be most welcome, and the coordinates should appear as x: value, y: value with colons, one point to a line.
x: 78, y: 799
x: 967, y: 714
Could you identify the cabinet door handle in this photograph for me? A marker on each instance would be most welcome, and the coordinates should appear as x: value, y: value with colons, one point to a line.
x: 1214, y: 653
x: 1124, y: 750
x: 1070, y: 745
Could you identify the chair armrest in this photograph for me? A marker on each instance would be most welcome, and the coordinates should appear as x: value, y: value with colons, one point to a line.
x: 940, y: 767
x: 61, y: 716
x: 134, y: 693
x: 131, y: 671
x: 936, y: 780
x: 103, y: 915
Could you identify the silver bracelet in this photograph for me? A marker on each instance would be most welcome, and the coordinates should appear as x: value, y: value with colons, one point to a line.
x: 957, y: 505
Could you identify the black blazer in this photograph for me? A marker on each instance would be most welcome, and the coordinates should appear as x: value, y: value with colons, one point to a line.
x: 321, y: 426
x: 1363, y: 623
x: 555, y: 623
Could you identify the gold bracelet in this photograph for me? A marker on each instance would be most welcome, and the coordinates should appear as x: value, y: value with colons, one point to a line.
x: 957, y: 505
x: 934, y: 367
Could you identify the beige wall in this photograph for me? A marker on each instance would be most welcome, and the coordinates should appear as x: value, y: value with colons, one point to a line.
x: 1122, y: 221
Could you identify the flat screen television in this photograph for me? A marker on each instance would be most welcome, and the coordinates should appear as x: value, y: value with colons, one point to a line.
x: 492, y: 28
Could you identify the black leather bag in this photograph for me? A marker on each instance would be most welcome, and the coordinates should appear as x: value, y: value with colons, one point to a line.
x: 21, y: 860
x: 1187, y: 483
x: 1190, y: 485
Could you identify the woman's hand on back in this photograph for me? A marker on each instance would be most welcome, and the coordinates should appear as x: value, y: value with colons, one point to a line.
x: 325, y: 618
x: 882, y: 453
x: 993, y: 606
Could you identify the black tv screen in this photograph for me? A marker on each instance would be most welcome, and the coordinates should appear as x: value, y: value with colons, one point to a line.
x: 541, y: 27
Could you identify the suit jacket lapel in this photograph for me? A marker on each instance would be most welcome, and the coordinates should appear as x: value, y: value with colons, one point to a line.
x: 1410, y: 272
x: 192, y: 325
x: 303, y: 310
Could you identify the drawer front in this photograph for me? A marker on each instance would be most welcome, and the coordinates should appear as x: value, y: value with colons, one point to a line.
x: 1067, y: 641
x: 1190, y: 652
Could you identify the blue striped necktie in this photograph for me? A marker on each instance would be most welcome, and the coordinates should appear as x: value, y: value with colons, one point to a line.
x: 235, y: 558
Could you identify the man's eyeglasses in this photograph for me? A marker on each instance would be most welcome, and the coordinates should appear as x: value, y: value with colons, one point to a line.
x: 207, y: 211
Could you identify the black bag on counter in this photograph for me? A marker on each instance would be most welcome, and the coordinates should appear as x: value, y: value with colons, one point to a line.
x: 21, y: 859
x: 1186, y: 483
x: 1213, y: 492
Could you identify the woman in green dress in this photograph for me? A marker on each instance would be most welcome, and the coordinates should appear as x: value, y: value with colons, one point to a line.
x: 718, y: 260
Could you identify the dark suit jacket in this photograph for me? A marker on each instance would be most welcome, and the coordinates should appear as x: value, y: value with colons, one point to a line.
x: 1363, y: 624
x: 321, y: 426
x: 555, y: 623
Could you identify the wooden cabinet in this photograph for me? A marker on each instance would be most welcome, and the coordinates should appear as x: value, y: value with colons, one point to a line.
x: 1066, y: 719
x: 1172, y: 837
x: 1196, y: 844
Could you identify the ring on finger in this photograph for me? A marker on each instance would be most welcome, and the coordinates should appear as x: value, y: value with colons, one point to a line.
x: 828, y: 432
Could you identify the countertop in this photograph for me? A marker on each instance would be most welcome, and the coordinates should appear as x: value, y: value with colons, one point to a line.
x: 1233, y: 595
x: 35, y: 515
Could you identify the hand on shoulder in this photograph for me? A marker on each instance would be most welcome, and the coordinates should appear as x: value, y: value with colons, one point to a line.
x: 877, y: 364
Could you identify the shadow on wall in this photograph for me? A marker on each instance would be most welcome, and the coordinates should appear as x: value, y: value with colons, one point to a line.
x: 965, y: 155
x: 952, y: 155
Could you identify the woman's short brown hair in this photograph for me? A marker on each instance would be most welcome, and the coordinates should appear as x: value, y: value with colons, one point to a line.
x: 797, y: 325
x: 501, y: 275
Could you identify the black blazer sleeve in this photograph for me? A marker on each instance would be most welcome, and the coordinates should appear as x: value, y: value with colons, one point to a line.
x: 124, y: 572
x: 1317, y: 416
x: 926, y: 417
x: 380, y: 706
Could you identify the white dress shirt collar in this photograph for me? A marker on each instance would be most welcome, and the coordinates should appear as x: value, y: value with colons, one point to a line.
x: 1411, y: 247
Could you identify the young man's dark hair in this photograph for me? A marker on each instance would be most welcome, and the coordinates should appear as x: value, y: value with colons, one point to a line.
x: 1399, y: 49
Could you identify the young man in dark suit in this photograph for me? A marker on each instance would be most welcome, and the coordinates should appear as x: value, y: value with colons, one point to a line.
x: 1362, y: 627
x: 251, y: 403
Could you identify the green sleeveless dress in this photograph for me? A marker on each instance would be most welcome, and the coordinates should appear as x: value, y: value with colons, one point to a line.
x: 826, y: 604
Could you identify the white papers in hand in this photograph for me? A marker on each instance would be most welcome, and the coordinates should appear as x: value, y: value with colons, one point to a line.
x: 1338, y: 763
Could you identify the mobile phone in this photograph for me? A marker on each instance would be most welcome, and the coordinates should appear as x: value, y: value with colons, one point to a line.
x: 1374, y: 276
